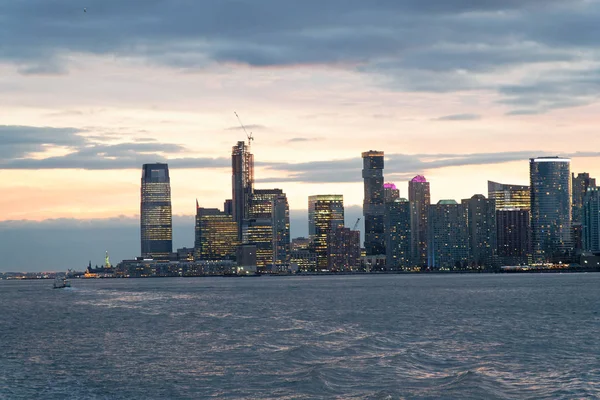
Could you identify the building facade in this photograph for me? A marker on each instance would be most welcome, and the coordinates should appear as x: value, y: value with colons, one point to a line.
x: 481, y: 220
x: 550, y: 208
x: 216, y: 235
x: 419, y: 198
x: 398, y: 239
x: 343, y: 250
x: 156, y: 224
x: 508, y: 196
x: 591, y: 220
x: 242, y: 183
x: 581, y: 183
x: 374, y: 202
x: 448, y: 235
x: 325, y: 214
x: 513, y: 235
x: 390, y: 192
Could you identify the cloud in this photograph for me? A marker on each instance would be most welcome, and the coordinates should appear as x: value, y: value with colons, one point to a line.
x: 397, y: 166
x: 459, y: 117
x: 414, y: 45
x: 18, y: 143
x: 248, y: 127
x: 303, y: 139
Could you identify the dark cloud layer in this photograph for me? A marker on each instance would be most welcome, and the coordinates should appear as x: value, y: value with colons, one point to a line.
x: 433, y: 45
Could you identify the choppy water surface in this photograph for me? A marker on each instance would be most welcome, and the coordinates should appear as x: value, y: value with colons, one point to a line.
x: 369, y: 337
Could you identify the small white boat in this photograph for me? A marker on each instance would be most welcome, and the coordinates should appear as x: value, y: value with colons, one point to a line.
x: 60, y: 283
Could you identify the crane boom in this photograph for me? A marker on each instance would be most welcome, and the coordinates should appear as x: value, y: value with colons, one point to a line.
x: 248, y: 135
x: 356, y: 224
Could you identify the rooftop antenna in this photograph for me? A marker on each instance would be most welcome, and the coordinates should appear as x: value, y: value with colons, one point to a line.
x: 248, y: 135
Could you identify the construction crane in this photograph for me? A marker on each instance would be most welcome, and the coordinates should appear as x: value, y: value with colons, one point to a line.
x: 248, y: 135
x: 356, y: 224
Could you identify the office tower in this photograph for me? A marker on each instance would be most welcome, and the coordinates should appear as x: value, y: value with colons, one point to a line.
x: 390, y: 192
x: 374, y: 202
x: 343, y: 250
x: 156, y: 223
x: 591, y: 220
x: 216, y: 235
x: 228, y: 207
x: 513, y: 235
x: 268, y: 227
x: 398, y: 239
x: 448, y: 235
x: 242, y: 182
x: 550, y: 208
x: 508, y: 197
x: 300, y: 243
x: 419, y: 199
x: 581, y: 184
x: 481, y: 219
x: 325, y: 214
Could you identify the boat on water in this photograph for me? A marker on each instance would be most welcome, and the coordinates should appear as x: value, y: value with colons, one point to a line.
x: 60, y: 283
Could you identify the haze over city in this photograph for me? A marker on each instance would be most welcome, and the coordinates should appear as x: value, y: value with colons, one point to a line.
x: 458, y: 92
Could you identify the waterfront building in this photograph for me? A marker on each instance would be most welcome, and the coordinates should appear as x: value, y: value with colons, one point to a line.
x: 325, y: 214
x: 591, y: 220
x: 581, y: 183
x: 156, y: 225
x: 281, y: 230
x: 481, y: 220
x: 419, y: 198
x: 242, y: 162
x: 508, y: 196
x: 398, y: 239
x: 303, y: 260
x: 550, y: 208
x: 374, y: 202
x: 390, y: 192
x: 513, y: 236
x: 216, y: 235
x: 343, y: 250
x: 448, y: 235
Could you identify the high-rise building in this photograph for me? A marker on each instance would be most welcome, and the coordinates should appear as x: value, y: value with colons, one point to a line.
x: 513, y: 235
x: 390, y: 192
x: 156, y: 224
x: 581, y: 184
x: 374, y: 202
x: 591, y: 220
x: 242, y: 183
x: 550, y: 208
x: 448, y: 235
x: 419, y: 198
x: 281, y: 230
x: 216, y: 235
x: 343, y: 250
x: 509, y: 197
x: 325, y: 214
x: 300, y: 243
x: 397, y: 228
x: 228, y: 207
x: 481, y: 219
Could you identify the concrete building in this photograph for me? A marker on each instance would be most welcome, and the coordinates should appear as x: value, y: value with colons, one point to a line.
x: 513, y: 236
x: 343, y: 250
x: 448, y: 235
x: 398, y: 238
x: 481, y: 220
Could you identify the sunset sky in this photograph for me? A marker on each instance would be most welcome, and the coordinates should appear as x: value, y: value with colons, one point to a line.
x: 461, y: 91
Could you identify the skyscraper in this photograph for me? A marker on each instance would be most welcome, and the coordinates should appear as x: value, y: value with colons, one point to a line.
x: 591, y: 220
x: 508, y: 197
x: 550, y: 208
x: 374, y: 202
x: 513, y: 235
x: 419, y: 199
x: 481, y: 219
x: 581, y: 184
x: 343, y: 250
x: 242, y: 183
x: 281, y: 230
x: 325, y: 214
x: 398, y: 240
x: 216, y: 235
x: 390, y: 192
x: 156, y: 224
x: 448, y: 235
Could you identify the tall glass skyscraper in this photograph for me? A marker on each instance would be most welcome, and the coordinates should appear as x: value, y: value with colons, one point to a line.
x: 156, y: 224
x: 325, y: 214
x: 374, y: 202
x: 242, y: 182
x: 419, y: 199
x: 591, y: 220
x: 216, y: 235
x: 550, y: 208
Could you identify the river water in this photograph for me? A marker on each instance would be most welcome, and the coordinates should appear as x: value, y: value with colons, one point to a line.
x: 482, y: 336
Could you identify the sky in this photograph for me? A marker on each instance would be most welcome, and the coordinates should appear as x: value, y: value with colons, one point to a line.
x: 460, y: 91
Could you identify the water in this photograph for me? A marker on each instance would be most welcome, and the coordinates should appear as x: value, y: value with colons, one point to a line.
x: 368, y: 337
